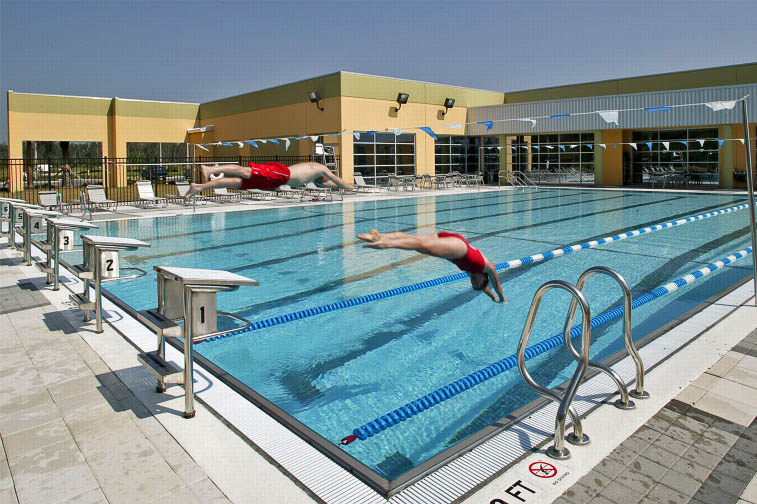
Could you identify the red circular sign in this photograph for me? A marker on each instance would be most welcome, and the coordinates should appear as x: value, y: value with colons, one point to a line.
x: 543, y: 470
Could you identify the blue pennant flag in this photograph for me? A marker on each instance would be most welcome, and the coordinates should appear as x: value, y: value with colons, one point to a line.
x: 513, y: 147
x: 535, y: 147
x: 371, y: 132
x: 301, y: 138
x: 253, y: 143
x: 428, y: 130
x: 655, y: 109
x: 614, y: 145
x: 227, y: 144
x: 591, y: 146
x: 488, y: 124
x: 555, y: 116
x: 649, y: 144
x: 720, y: 143
x: 562, y: 147
x: 273, y: 140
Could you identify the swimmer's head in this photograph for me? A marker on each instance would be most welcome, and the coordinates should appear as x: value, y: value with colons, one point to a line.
x: 479, y: 281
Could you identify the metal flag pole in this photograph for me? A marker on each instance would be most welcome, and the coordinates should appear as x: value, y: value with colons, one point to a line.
x: 750, y: 188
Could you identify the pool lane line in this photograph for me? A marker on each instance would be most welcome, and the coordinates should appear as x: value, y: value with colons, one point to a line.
x: 139, y: 259
x: 321, y: 288
x: 535, y: 258
x: 448, y: 391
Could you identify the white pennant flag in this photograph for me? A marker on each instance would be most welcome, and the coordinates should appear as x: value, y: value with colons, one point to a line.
x: 741, y: 140
x: 532, y: 121
x: 721, y: 105
x: 397, y: 131
x: 356, y: 134
x: 240, y: 144
x: 633, y: 145
x: 667, y: 145
x: 203, y: 148
x: 286, y: 143
x: 610, y: 116
x: 314, y: 138
x: 701, y: 142
x: 549, y: 147
x: 602, y: 145
x: 573, y: 146
x: 454, y: 125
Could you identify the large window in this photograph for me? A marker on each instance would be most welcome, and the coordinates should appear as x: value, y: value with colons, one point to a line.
x: 566, y: 157
x: 379, y: 154
x: 692, y: 152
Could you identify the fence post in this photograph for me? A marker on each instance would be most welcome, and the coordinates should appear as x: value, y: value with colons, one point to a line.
x: 49, y: 169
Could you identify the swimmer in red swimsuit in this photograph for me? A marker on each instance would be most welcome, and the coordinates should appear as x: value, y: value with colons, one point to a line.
x: 450, y: 246
x: 266, y: 176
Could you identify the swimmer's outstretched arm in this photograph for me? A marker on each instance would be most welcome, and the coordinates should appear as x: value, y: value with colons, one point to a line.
x: 491, y: 272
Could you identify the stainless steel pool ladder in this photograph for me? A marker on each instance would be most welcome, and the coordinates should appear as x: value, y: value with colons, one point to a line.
x: 638, y: 393
x: 558, y: 450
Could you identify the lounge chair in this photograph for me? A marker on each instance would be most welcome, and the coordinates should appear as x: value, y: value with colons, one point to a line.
x: 146, y: 194
x: 286, y: 191
x: 97, y: 199
x: 257, y: 194
x: 314, y: 193
x: 223, y: 195
x: 360, y: 185
x: 51, y: 200
x: 182, y: 187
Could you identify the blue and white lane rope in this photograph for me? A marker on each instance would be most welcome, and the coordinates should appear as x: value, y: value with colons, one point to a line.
x: 442, y: 394
x: 309, y: 312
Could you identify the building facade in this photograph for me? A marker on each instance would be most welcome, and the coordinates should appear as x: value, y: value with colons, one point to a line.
x: 554, y: 134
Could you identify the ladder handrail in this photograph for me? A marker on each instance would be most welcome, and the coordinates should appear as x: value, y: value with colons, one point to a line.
x: 623, y: 402
x: 526, y: 180
x: 565, y: 407
x: 513, y: 179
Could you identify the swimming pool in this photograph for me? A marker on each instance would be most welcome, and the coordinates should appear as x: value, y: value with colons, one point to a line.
x: 336, y: 371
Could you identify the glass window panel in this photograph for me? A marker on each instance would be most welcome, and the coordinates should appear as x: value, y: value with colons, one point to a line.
x: 364, y: 160
x: 363, y: 148
x: 405, y: 160
x: 384, y: 160
x: 405, y: 170
x: 570, y: 138
x: 385, y: 138
x: 702, y: 133
x: 405, y: 149
x: 406, y: 138
x: 384, y: 149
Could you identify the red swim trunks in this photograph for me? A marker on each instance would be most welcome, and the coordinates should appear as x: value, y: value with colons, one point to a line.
x: 266, y: 176
x: 473, y: 261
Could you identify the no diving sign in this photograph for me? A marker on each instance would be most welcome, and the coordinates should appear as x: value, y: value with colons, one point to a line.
x: 542, y: 480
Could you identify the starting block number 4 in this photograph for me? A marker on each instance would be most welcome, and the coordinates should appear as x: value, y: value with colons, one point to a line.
x: 37, y: 225
x: 66, y: 240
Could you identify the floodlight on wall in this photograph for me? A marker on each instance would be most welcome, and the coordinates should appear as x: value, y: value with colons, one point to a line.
x: 401, y: 99
x: 448, y: 104
x: 315, y: 97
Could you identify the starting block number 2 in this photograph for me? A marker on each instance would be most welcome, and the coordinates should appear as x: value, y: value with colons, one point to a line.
x: 109, y: 266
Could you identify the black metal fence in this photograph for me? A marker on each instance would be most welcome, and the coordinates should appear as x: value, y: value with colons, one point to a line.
x: 118, y: 175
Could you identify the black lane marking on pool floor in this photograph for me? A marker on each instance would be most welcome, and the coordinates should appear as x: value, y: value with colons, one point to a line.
x: 137, y: 259
x: 327, y: 286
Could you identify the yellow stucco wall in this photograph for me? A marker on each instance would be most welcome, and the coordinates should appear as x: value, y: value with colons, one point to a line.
x: 612, y: 158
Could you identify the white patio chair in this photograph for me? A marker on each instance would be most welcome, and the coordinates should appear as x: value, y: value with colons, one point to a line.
x: 147, y: 195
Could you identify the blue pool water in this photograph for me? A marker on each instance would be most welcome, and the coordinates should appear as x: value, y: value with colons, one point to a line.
x: 339, y: 370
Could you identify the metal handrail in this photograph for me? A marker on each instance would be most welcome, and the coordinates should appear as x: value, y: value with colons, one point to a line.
x: 525, y: 179
x: 624, y: 402
x: 558, y: 450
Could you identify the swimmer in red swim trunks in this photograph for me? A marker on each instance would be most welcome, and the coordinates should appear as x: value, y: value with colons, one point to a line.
x: 450, y: 246
x: 266, y: 176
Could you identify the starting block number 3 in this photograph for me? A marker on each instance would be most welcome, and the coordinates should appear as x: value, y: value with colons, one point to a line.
x: 66, y: 240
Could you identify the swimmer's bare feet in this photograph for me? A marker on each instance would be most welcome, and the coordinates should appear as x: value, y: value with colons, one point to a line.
x: 193, y: 189
x: 206, y: 172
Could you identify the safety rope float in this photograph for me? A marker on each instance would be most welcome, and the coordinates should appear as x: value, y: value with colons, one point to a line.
x: 442, y: 394
x: 535, y: 258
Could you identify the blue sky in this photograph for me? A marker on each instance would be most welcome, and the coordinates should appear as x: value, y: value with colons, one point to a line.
x: 197, y: 51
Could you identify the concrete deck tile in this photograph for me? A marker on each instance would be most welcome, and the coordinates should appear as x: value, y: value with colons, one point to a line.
x: 726, y: 408
x: 623, y: 455
x: 692, y: 469
x: 737, y: 392
x: 750, y: 492
x: 690, y: 394
x: 646, y: 434
x: 635, y: 444
x: 25, y: 401
x: 579, y: 494
x: 21, y: 382
x: 182, y: 495
x: 692, y: 424
x: 662, y: 419
x: 744, y: 376
x: 36, y: 437
x: 72, y: 387
x: 648, y: 467
x: 682, y: 433
x: 63, y: 370
x: 111, y: 438
x: 6, y: 481
x: 8, y: 496
x: 86, y: 401
x: 95, y: 496
x: 660, y: 456
x: 186, y: 468
x: 748, y: 362
x: 721, y: 367
x: 716, y: 448
x: 702, y: 457
x: 595, y: 480
x: 680, y: 482
x: 665, y: 495
x: 208, y: 492
x: 89, y: 419
x: 138, y: 474
x: 51, y: 474
x: 599, y: 499
x: 28, y: 418
x: 739, y: 465
x: 621, y: 494
x: 636, y: 481
x: 720, y: 490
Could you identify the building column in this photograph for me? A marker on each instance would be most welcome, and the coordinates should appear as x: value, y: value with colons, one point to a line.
x: 505, y: 157
x: 346, y: 158
x: 726, y: 157
x: 599, y: 156
x: 612, y: 158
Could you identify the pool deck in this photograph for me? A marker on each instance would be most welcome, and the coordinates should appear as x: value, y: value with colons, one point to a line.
x: 80, y: 420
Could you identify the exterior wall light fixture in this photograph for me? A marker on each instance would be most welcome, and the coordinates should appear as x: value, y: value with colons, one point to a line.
x: 448, y: 104
x: 401, y: 99
x: 315, y: 97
